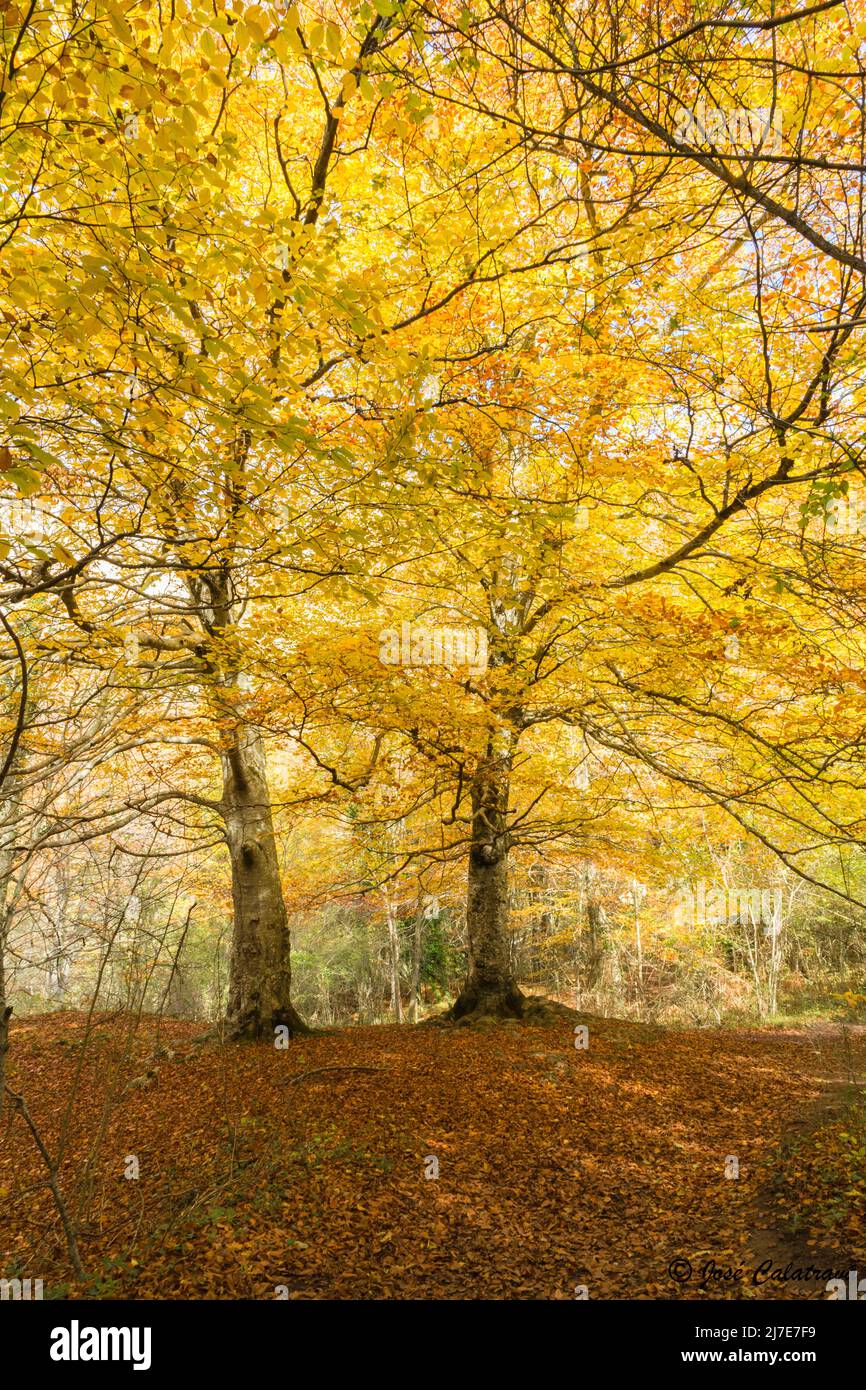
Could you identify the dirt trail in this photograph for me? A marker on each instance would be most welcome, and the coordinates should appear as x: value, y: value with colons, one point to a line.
x: 770, y: 1241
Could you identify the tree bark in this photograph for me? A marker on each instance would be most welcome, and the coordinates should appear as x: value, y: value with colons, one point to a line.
x: 597, y: 943
x: 490, y: 987
x: 414, y: 997
x: 260, y: 974
x: 5, y: 1015
x: 394, y: 962
x: 5, y: 1006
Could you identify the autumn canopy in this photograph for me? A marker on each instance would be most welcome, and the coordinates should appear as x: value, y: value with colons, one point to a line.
x: 431, y: 449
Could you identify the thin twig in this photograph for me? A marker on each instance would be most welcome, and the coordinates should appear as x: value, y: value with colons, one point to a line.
x: 71, y: 1243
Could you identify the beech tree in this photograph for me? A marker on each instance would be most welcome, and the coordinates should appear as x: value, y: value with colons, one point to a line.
x: 637, y: 589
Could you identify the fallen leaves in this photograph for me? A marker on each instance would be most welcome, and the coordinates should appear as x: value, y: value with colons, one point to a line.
x: 557, y: 1167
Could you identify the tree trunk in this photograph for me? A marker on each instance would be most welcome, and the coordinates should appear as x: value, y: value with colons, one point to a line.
x: 597, y: 936
x: 490, y: 987
x: 5, y: 1015
x: 637, y: 898
x: 394, y: 960
x: 5, y: 914
x: 260, y: 973
x: 414, y: 996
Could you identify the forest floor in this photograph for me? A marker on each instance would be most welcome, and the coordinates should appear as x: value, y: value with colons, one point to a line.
x: 308, y: 1172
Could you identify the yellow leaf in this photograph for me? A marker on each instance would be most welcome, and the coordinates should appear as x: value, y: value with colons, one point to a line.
x: 120, y: 27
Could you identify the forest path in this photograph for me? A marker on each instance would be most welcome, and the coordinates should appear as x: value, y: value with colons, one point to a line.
x: 306, y: 1169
